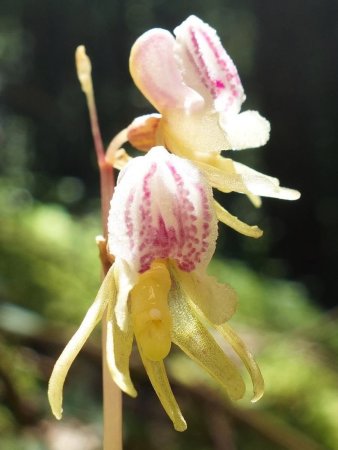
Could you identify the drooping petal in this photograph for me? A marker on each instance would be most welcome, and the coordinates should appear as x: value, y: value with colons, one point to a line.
x: 245, y: 130
x: 225, y: 179
x: 63, y: 364
x: 233, y: 222
x: 125, y: 279
x: 260, y: 184
x: 158, y: 378
x: 162, y: 208
x: 216, y: 301
x: 118, y: 348
x: 238, y: 345
x: 206, y: 66
x: 155, y: 72
x: 196, y: 341
x: 230, y: 176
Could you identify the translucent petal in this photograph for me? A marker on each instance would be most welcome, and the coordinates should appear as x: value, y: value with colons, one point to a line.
x: 158, y: 378
x: 233, y: 222
x: 229, y: 176
x: 196, y: 341
x: 125, y: 279
x: 94, y: 314
x: 206, y: 66
x: 260, y: 184
x: 238, y: 345
x: 155, y: 72
x: 216, y: 301
x: 118, y: 349
x: 245, y: 130
x: 224, y: 179
x: 162, y: 208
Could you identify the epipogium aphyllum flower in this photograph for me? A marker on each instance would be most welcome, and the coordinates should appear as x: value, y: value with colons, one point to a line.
x: 162, y: 232
x: 194, y: 84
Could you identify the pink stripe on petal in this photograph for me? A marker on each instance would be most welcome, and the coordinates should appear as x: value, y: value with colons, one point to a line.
x: 155, y: 72
x: 206, y: 66
x: 162, y: 208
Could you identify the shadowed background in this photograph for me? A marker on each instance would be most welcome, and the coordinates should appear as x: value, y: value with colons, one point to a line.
x: 286, y: 54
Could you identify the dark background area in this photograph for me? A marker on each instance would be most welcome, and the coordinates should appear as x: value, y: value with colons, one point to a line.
x: 286, y: 55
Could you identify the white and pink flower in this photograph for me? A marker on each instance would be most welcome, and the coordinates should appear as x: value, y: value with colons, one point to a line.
x: 195, y: 86
x: 162, y: 232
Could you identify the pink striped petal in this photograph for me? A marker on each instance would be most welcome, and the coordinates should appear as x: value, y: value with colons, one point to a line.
x: 155, y: 72
x: 206, y: 66
x: 162, y: 208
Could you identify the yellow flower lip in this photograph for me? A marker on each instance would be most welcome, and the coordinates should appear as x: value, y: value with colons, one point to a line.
x: 150, y: 313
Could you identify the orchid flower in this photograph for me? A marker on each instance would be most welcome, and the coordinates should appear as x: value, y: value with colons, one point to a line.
x: 194, y: 85
x: 162, y: 232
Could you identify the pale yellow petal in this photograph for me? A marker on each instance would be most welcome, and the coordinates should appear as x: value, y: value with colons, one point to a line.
x: 63, y: 364
x: 221, y: 179
x: 196, y: 341
x: 216, y: 301
x: 260, y: 184
x: 233, y: 222
x: 125, y: 279
x: 158, y: 377
x: 118, y: 349
x: 239, y: 347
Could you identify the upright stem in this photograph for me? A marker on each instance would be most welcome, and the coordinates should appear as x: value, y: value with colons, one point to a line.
x: 112, y: 397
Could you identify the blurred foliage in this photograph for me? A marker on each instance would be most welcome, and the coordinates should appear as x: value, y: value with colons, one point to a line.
x: 49, y: 269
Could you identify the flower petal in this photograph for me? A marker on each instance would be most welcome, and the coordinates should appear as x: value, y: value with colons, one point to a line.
x: 142, y: 132
x: 195, y: 340
x: 62, y: 365
x: 233, y: 222
x: 245, y: 130
x: 158, y: 378
x: 154, y: 70
x: 125, y: 279
x: 224, y: 178
x: 238, y: 345
x: 216, y: 301
x: 162, y: 208
x: 260, y: 184
x: 118, y: 349
x: 206, y: 66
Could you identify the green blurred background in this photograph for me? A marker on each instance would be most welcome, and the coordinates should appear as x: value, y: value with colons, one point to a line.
x: 286, y: 54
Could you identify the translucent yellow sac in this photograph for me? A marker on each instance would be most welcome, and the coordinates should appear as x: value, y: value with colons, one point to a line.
x: 150, y: 312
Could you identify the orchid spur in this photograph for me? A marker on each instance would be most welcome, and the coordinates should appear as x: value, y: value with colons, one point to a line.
x: 194, y: 84
x: 162, y: 231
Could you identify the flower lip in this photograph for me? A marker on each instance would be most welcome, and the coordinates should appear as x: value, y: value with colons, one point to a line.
x: 162, y: 208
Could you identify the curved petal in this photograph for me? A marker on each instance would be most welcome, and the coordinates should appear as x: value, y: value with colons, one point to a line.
x: 206, y: 66
x: 118, y: 349
x: 162, y: 208
x: 196, y: 341
x: 233, y: 222
x: 154, y: 70
x: 238, y: 345
x: 245, y: 130
x: 94, y: 314
x: 158, y: 378
x: 225, y: 179
x: 142, y: 131
x: 125, y: 279
x: 216, y: 301
x: 260, y: 184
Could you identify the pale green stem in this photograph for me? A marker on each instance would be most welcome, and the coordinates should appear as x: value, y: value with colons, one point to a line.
x: 112, y: 396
